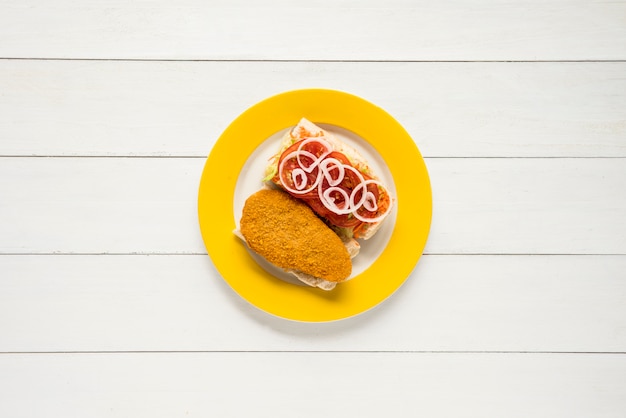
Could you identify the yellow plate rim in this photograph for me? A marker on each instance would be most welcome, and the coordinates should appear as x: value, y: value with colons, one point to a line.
x: 413, y: 198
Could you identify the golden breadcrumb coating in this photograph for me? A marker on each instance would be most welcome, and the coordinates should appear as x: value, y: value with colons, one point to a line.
x: 288, y: 234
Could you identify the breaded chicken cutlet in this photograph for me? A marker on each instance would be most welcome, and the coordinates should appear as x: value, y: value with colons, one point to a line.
x: 288, y: 234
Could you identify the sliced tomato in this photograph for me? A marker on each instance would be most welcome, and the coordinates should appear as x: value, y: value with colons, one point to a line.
x: 286, y: 176
x: 348, y: 184
x: 382, y: 202
x: 343, y: 221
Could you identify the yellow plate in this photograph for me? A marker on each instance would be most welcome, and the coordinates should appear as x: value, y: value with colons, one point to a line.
x: 407, y: 235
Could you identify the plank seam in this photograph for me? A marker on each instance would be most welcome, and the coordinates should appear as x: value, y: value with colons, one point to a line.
x: 530, y: 352
x: 226, y: 60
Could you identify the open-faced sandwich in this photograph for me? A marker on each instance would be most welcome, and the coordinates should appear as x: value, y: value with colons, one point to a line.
x: 321, y: 196
x: 332, y: 178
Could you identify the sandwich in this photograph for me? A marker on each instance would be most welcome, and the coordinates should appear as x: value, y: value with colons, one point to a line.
x: 332, y: 178
x: 320, y: 196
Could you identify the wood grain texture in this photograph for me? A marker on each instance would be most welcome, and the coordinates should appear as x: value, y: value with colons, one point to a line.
x: 180, y: 303
x: 313, y: 384
x: 85, y: 108
x: 324, y: 30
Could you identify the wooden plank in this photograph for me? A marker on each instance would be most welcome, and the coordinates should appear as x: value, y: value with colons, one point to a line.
x: 148, y: 205
x: 273, y: 385
x: 528, y: 206
x: 100, y: 205
x: 180, y: 109
x: 179, y: 303
x: 459, y: 30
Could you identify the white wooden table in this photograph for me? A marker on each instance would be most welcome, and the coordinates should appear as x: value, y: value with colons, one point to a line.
x: 110, y: 306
